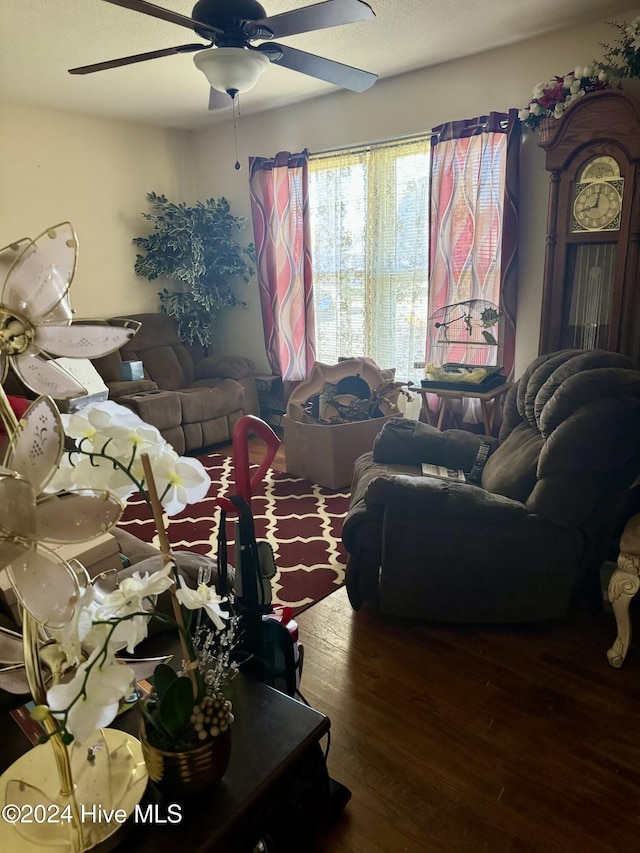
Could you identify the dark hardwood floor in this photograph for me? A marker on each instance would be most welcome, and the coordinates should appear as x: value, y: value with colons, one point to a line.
x: 257, y: 451
x: 458, y: 738
x: 465, y: 738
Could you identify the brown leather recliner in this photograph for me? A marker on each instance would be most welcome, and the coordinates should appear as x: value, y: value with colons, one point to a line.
x: 193, y: 399
x: 513, y: 547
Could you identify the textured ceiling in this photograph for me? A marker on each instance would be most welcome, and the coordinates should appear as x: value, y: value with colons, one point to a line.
x: 41, y: 39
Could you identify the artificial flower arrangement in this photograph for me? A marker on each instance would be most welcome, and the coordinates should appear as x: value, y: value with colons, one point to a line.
x: 50, y: 496
x: 552, y: 97
x: 622, y: 58
x: 117, y: 451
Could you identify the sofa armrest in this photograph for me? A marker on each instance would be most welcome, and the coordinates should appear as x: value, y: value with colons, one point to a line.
x: 225, y: 366
x: 123, y: 387
x: 428, y: 500
x: 402, y: 441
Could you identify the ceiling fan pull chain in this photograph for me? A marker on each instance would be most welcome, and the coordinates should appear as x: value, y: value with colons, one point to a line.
x: 237, y: 166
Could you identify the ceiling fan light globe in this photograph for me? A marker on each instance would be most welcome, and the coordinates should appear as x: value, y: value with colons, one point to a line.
x: 231, y: 68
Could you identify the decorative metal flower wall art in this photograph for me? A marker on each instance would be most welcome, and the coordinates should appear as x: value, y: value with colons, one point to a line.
x: 46, y: 585
x: 36, y: 315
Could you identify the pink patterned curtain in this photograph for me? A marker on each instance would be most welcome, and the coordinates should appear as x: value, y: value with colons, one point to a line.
x: 474, y: 225
x: 279, y: 190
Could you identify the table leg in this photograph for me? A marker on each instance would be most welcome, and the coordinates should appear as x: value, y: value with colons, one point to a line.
x: 426, y: 415
x: 487, y: 419
x: 624, y: 584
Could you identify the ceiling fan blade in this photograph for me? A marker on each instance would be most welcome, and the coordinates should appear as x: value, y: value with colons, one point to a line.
x: 219, y: 100
x: 138, y: 57
x: 317, y: 66
x: 331, y: 13
x: 164, y: 15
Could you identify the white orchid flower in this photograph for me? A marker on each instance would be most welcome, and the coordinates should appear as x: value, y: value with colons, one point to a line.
x: 80, y: 632
x: 116, y: 430
x: 180, y: 480
x: 110, y: 441
x: 106, y: 432
x: 203, y: 597
x: 131, y: 593
x: 99, y: 697
x: 110, y: 420
x: 128, y: 599
x: 80, y: 472
x: 134, y: 589
x: 35, y: 314
x: 128, y: 633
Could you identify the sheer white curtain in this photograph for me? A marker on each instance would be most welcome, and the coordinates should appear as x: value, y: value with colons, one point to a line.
x: 370, y: 247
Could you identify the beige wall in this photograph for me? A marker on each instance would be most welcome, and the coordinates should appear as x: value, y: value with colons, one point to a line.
x: 94, y: 173
x: 411, y: 103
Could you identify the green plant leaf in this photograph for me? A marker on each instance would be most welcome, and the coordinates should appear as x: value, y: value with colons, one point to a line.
x: 176, y: 706
x: 163, y: 676
x: 151, y: 719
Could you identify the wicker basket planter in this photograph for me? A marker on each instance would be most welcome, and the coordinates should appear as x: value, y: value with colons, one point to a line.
x: 546, y: 129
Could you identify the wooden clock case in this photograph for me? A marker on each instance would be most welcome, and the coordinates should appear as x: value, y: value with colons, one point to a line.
x: 606, y: 122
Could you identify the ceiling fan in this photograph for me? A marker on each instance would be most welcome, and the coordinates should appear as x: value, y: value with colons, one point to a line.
x: 231, y: 62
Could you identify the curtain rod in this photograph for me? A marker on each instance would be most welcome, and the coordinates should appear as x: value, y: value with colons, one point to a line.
x: 399, y: 140
x: 503, y: 123
x: 366, y: 146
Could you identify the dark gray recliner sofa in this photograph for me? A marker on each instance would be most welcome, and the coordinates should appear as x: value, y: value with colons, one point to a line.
x: 193, y: 399
x: 513, y: 547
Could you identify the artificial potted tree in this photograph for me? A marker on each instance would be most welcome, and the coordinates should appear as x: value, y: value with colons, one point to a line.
x: 197, y: 247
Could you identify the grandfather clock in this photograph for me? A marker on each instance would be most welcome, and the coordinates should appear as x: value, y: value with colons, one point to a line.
x: 591, y: 292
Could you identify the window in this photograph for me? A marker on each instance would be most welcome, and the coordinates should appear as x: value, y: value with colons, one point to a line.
x: 370, y: 248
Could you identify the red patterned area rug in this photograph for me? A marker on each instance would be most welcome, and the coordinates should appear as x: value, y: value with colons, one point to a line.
x: 301, y: 521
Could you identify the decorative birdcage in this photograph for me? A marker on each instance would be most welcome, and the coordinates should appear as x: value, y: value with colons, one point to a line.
x: 465, y: 334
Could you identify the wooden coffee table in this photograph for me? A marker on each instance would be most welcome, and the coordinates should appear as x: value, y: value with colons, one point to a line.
x: 276, y: 784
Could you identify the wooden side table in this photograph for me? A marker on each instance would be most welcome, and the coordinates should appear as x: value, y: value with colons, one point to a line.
x: 493, y: 396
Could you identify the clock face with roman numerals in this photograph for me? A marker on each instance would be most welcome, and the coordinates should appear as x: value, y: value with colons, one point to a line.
x: 597, y: 197
x: 596, y: 207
